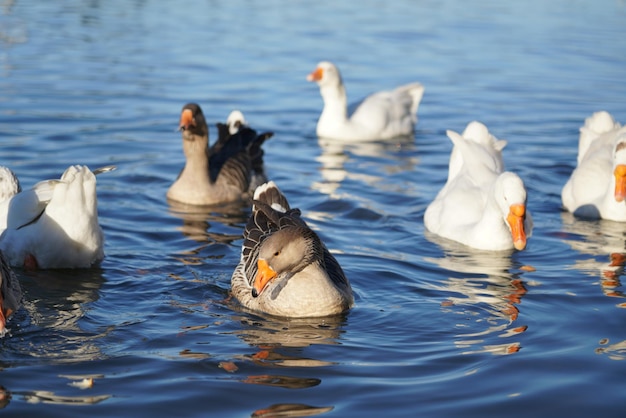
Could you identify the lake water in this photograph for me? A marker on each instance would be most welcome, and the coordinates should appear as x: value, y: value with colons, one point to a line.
x: 436, y: 331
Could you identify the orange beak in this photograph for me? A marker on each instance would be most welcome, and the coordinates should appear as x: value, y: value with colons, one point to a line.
x: 515, y: 219
x: 315, y: 75
x: 620, y: 182
x: 186, y: 119
x: 264, y: 274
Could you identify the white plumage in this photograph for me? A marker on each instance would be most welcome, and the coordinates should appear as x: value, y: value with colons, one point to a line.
x: 382, y: 115
x: 54, y: 224
x: 597, y: 186
x: 481, y: 205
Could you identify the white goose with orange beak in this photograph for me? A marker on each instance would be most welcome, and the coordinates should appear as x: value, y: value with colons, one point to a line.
x: 380, y: 116
x: 597, y: 186
x: 481, y: 205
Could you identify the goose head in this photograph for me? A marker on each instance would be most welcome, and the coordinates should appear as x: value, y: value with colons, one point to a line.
x: 326, y: 74
x: 511, y: 198
x: 285, y: 253
x: 192, y: 122
x: 619, y: 167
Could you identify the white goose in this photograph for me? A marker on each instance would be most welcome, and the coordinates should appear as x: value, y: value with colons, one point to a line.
x: 9, y: 184
x: 480, y: 205
x: 597, y: 186
x: 54, y: 224
x: 382, y: 115
x: 235, y: 120
x: 285, y: 269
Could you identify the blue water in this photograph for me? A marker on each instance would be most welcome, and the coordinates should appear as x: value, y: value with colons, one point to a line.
x: 437, y: 330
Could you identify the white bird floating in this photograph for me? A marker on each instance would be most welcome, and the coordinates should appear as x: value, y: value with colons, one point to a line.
x: 380, y: 116
x: 597, y: 186
x: 481, y: 205
x: 54, y: 224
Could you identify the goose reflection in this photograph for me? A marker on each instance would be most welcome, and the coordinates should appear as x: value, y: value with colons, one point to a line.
x: 275, y: 332
x: 485, y: 282
x: 282, y: 344
x: 336, y: 156
x: 605, y: 244
x: 290, y: 410
x: 56, y: 302
x: 197, y: 221
x: 613, y: 350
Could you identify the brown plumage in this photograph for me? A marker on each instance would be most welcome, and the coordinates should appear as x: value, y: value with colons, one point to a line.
x: 224, y: 173
x: 285, y: 269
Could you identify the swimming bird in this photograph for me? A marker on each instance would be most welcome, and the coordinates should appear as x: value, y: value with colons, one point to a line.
x: 235, y: 120
x: 55, y: 223
x: 285, y: 269
x: 10, y: 293
x: 223, y: 173
x: 9, y: 183
x: 382, y: 115
x: 597, y: 186
x: 481, y: 205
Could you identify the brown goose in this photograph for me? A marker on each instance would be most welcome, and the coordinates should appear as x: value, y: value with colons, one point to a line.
x: 285, y: 269
x: 10, y: 293
x: 223, y: 173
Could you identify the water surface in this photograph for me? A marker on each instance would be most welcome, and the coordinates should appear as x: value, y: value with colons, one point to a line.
x: 437, y: 329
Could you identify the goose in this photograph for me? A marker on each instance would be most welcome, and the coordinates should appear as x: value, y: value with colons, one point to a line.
x: 380, y: 116
x: 285, y: 269
x: 481, y: 205
x: 10, y: 293
x: 55, y: 223
x: 235, y: 120
x: 9, y: 184
x: 597, y: 186
x: 223, y: 173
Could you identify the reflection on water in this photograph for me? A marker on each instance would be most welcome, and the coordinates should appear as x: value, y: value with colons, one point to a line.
x: 285, y: 382
x: 197, y: 220
x: 283, y: 343
x: 56, y: 302
x: 290, y: 410
x: 208, y: 225
x: 264, y: 332
x: 605, y: 244
x: 47, y: 397
x: 335, y: 156
x: 615, y: 351
x: 491, y: 288
x: 84, y: 81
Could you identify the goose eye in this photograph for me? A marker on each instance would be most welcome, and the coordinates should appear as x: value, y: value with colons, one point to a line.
x: 277, y: 253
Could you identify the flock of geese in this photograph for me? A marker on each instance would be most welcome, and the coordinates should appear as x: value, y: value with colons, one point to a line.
x: 285, y: 269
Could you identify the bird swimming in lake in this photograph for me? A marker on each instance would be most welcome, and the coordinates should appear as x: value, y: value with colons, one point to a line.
x: 285, y: 269
x: 379, y: 116
x: 55, y: 223
x: 597, y: 186
x: 481, y: 205
x: 226, y: 172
